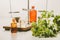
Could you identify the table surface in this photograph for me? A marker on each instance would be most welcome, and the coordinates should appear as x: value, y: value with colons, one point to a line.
x: 7, y: 35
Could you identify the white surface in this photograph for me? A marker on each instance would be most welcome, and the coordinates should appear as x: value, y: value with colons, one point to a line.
x: 7, y: 35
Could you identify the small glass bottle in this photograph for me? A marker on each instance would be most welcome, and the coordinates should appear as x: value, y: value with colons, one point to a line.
x: 14, y: 26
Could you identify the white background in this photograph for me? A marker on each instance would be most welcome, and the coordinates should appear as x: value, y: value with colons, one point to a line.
x: 18, y: 5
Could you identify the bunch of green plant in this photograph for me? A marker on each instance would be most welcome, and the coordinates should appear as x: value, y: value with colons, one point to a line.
x: 43, y: 14
x: 57, y: 21
x: 43, y: 28
x: 47, y: 14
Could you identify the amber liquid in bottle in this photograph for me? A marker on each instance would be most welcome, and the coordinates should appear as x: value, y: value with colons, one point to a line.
x: 13, y: 26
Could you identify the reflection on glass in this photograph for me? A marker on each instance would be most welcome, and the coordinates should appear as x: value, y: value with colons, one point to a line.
x: 13, y: 36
